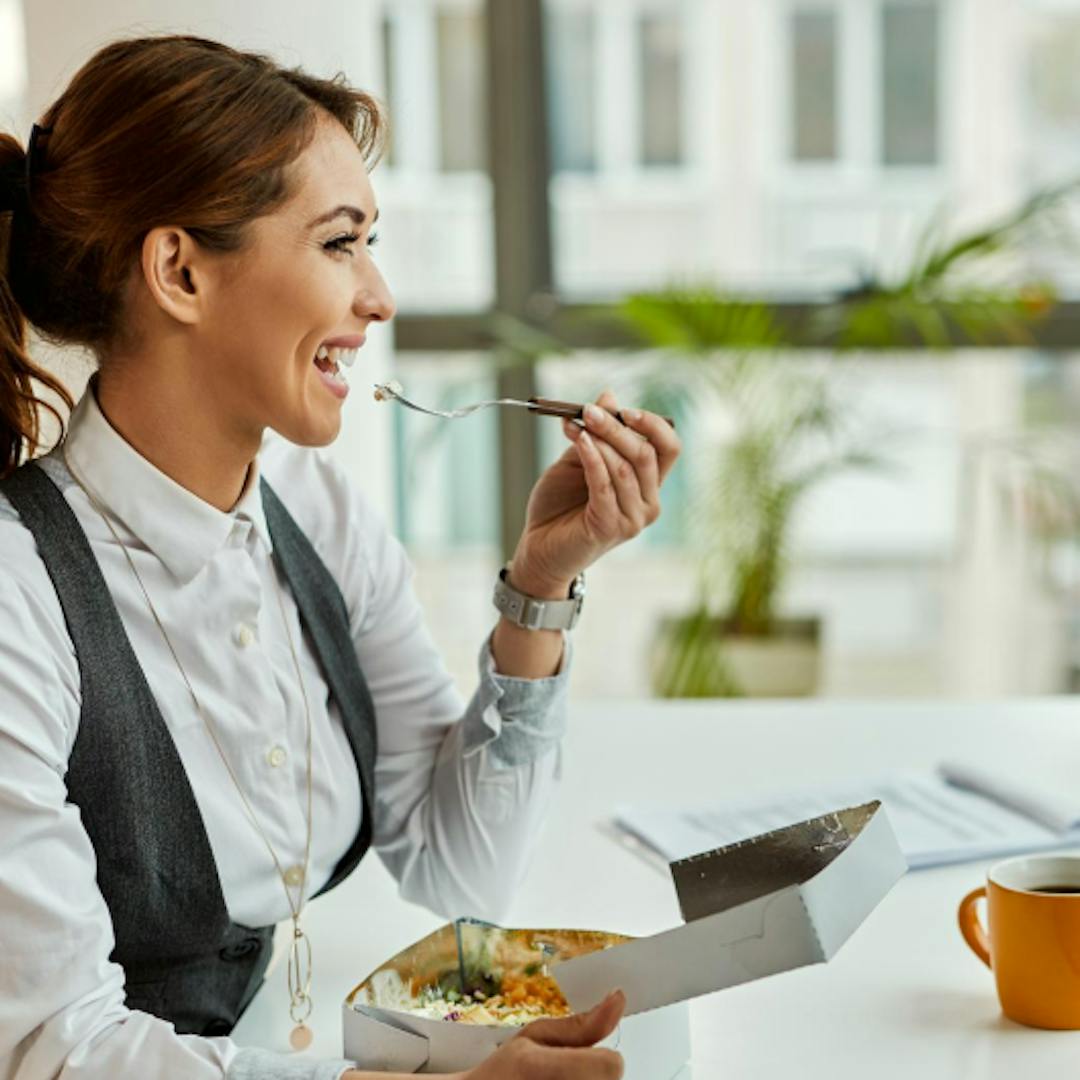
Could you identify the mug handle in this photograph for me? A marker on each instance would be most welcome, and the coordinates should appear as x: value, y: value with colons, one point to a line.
x: 971, y: 928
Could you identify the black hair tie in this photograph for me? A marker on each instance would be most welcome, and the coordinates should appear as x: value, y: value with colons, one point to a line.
x: 15, y: 177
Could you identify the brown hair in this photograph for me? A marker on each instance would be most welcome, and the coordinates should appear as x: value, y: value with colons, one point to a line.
x: 150, y: 131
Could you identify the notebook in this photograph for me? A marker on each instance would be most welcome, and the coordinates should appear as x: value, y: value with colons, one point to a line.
x: 957, y: 813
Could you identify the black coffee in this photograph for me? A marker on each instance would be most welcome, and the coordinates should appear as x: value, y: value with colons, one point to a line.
x: 1063, y: 890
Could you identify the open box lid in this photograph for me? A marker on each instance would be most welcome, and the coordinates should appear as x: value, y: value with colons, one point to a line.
x: 773, y: 903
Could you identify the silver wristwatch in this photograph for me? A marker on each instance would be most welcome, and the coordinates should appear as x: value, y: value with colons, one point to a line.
x: 534, y: 614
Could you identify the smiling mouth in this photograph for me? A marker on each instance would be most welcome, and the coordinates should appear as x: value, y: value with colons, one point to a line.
x: 330, y: 359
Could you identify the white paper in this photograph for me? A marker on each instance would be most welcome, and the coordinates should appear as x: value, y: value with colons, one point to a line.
x: 935, y: 821
x: 1057, y: 810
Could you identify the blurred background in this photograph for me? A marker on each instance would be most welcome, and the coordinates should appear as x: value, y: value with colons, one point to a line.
x: 836, y: 239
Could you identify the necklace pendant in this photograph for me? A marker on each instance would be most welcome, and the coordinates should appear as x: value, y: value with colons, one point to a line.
x: 300, y: 1037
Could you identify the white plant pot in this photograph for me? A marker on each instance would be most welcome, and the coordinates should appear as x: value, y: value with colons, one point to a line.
x: 787, y: 664
x: 783, y: 663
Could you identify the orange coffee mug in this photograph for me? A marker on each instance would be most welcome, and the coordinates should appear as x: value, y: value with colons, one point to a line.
x: 1032, y: 943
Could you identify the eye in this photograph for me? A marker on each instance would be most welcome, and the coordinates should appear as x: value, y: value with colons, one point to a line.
x: 341, y: 243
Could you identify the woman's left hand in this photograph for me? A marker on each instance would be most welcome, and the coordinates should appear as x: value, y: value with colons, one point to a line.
x: 603, y: 491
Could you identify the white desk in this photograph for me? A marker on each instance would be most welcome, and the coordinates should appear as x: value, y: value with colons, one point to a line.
x: 904, y: 998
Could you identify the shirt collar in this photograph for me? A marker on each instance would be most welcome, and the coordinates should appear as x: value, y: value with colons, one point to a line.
x: 182, y: 530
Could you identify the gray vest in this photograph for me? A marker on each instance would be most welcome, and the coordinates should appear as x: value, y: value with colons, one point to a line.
x: 184, y: 960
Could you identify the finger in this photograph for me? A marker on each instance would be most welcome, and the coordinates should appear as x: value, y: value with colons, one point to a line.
x: 628, y: 497
x: 646, y: 425
x: 661, y: 436
x: 632, y: 447
x: 559, y: 1063
x: 633, y: 506
x: 608, y: 400
x: 602, y: 496
x: 581, y: 1029
x: 600, y: 419
x: 572, y: 429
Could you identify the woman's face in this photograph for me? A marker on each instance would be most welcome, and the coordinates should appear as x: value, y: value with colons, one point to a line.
x: 286, y: 315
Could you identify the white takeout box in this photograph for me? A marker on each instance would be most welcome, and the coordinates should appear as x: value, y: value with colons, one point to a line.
x: 773, y: 903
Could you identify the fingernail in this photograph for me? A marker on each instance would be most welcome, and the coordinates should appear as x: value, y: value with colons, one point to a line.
x: 594, y: 413
x: 633, y: 415
x: 585, y: 440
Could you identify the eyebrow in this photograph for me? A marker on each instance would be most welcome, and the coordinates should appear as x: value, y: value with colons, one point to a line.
x: 354, y: 212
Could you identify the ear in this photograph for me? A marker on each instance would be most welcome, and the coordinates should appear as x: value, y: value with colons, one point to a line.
x: 173, y: 271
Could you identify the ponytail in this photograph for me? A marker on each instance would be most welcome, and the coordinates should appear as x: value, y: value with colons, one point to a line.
x: 20, y: 416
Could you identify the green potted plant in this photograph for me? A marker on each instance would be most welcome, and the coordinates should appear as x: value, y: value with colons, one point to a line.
x: 786, y: 428
x: 780, y: 430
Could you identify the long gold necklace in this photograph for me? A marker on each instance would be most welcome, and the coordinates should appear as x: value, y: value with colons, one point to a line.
x: 299, y: 962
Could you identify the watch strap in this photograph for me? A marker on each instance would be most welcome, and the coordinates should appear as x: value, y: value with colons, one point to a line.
x: 531, y: 613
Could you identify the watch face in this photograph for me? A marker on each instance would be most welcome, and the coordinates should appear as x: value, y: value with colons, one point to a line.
x: 577, y: 589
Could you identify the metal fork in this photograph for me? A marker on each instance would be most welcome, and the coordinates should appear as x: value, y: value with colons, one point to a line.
x: 569, y: 410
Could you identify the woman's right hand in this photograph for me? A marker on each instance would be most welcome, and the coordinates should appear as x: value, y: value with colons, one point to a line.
x: 559, y: 1049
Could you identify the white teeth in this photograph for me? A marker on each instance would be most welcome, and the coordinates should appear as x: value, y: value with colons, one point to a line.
x: 337, y: 354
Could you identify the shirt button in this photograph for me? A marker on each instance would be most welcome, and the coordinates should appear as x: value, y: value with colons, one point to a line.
x: 276, y: 756
x: 244, y: 635
x: 294, y: 876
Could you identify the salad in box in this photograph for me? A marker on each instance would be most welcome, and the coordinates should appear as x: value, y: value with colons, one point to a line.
x: 766, y: 905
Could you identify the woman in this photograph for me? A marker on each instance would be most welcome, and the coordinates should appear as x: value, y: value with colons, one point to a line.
x: 216, y: 690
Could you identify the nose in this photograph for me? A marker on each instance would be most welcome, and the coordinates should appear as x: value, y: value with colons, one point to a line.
x: 374, y: 300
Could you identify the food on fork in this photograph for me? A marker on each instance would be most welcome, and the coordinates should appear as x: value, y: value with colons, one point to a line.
x: 388, y: 391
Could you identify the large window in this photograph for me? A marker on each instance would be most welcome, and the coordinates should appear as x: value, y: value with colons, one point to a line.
x: 661, y: 60
x: 772, y: 147
x: 462, y: 116
x: 1052, y: 99
x: 814, y: 128
x: 572, y: 87
x: 909, y: 83
x: 864, y: 82
x: 617, y: 85
x: 434, y: 188
x: 433, y: 67
x: 1049, y: 118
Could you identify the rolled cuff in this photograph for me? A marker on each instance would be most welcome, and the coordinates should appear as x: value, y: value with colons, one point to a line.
x: 517, y: 720
x: 252, y: 1064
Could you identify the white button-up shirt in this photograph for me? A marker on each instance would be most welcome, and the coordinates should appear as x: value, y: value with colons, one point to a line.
x: 456, y: 786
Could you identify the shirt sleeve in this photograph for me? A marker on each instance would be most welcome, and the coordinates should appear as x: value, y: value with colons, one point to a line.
x: 62, y: 1011
x: 266, y: 1065
x: 461, y: 792
x: 517, y: 720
